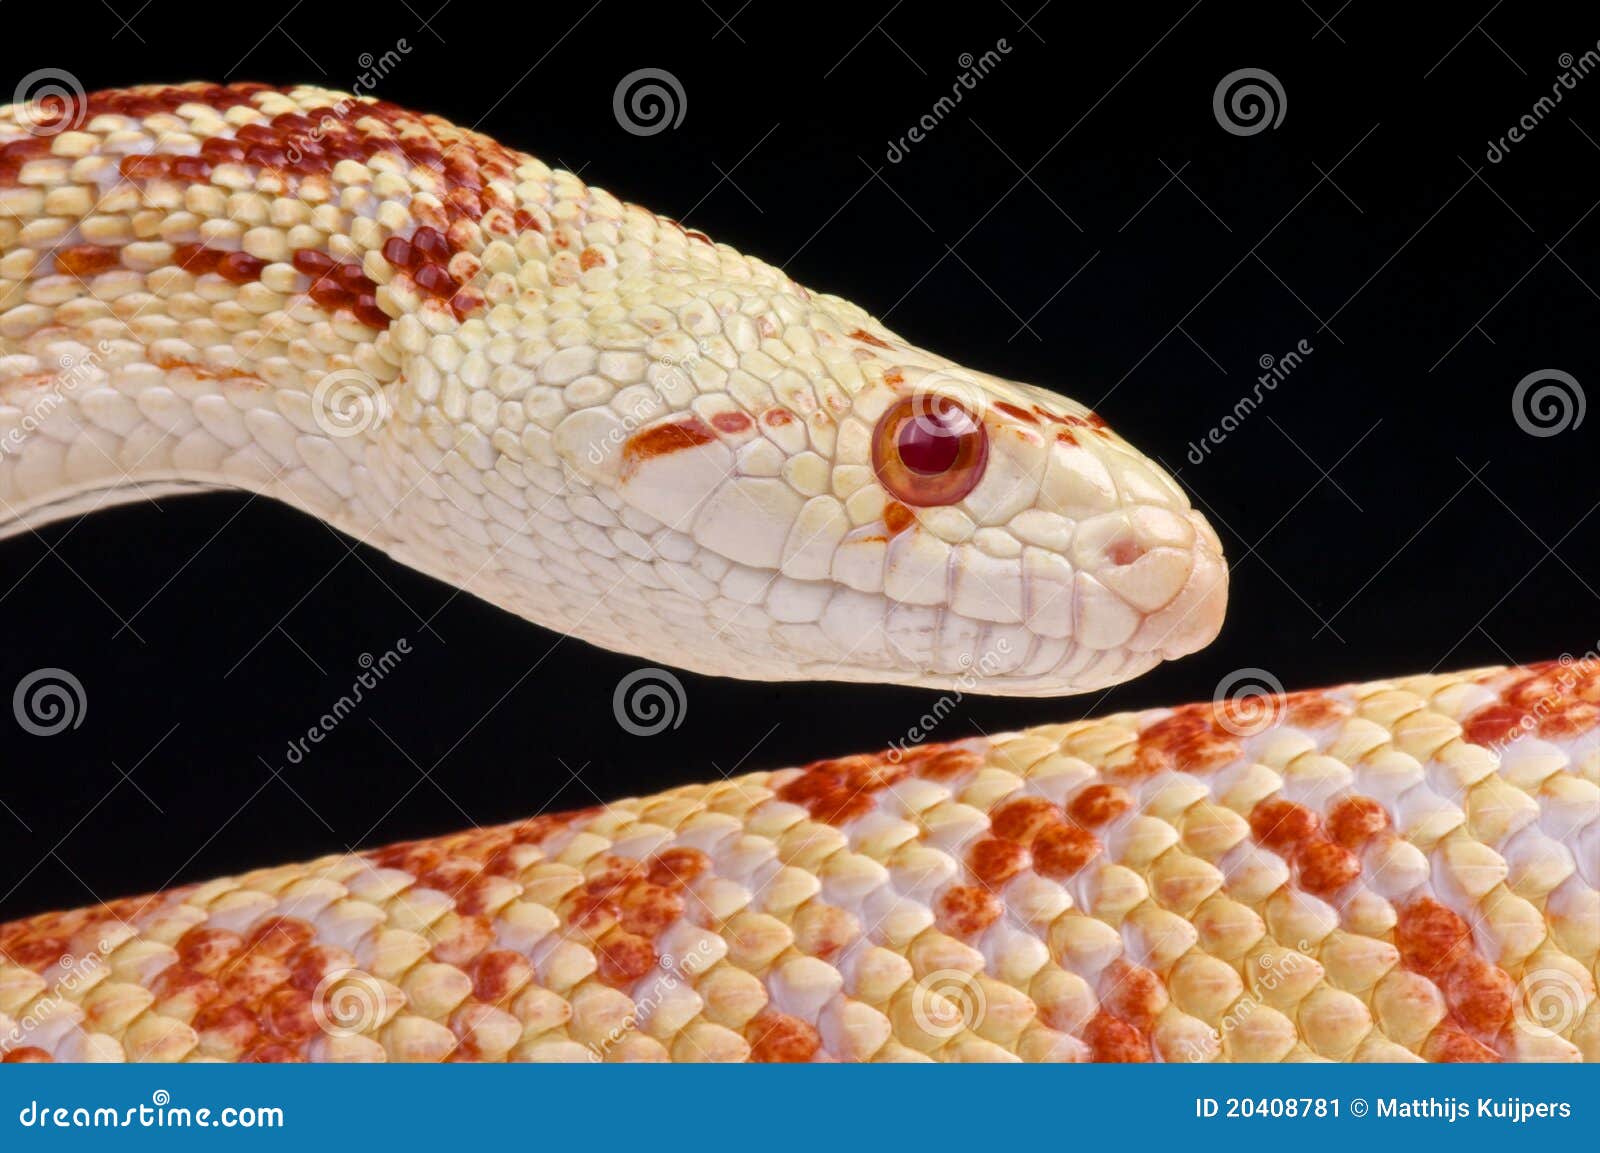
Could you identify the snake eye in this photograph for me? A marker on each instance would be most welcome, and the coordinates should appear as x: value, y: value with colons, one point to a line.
x: 929, y: 451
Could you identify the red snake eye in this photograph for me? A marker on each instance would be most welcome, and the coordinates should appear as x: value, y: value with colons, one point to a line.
x: 929, y: 451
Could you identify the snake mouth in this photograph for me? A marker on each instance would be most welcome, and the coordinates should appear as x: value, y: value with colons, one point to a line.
x: 916, y: 610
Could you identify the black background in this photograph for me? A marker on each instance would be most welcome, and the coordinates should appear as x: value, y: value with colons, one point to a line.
x: 1383, y: 510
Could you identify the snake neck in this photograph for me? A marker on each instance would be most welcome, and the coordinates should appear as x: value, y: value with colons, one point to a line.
x: 89, y: 421
x: 91, y: 418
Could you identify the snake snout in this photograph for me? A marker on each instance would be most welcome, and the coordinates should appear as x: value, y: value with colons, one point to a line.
x: 1151, y: 572
x: 1187, y: 599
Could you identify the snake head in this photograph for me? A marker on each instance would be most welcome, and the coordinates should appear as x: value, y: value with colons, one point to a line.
x: 590, y: 415
x: 870, y: 512
x: 1055, y: 535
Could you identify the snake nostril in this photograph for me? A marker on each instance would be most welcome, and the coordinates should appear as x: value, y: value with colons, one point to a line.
x: 1124, y: 551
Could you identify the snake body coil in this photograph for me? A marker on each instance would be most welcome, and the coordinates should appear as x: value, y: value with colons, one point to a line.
x: 1381, y: 872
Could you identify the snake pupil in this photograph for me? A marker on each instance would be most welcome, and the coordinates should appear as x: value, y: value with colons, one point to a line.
x: 927, y: 445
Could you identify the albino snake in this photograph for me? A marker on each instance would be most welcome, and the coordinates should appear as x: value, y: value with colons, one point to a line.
x: 609, y: 425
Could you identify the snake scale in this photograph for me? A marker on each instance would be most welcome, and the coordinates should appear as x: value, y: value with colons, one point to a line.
x: 604, y: 422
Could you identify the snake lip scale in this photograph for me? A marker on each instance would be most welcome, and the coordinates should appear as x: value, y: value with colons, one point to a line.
x: 604, y: 422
